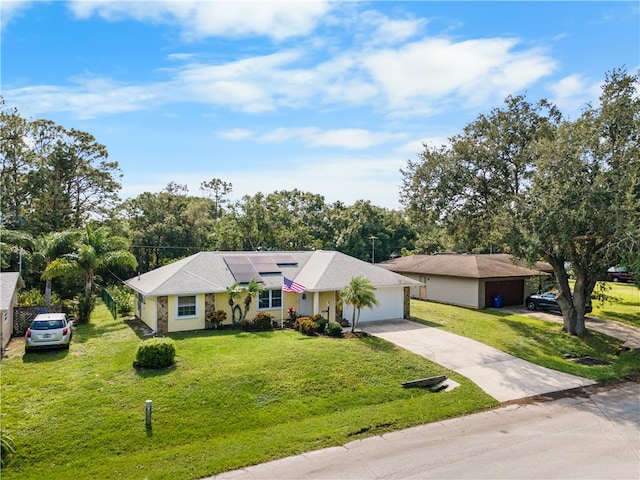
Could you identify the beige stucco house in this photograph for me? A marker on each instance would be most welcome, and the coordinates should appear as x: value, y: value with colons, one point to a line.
x: 10, y: 285
x: 475, y: 281
x: 180, y: 296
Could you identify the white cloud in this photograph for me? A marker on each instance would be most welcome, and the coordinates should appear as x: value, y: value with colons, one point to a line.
x: 88, y: 98
x: 349, y: 138
x: 434, y: 71
x: 236, y: 134
x: 415, y: 147
x: 573, y: 92
x: 198, y: 19
x: 11, y: 9
x: 415, y: 79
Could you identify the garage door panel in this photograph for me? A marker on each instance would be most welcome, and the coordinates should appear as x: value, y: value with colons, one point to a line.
x: 391, y: 307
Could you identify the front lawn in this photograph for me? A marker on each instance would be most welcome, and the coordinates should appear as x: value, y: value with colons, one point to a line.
x: 538, y: 341
x: 624, y: 305
x: 233, y: 399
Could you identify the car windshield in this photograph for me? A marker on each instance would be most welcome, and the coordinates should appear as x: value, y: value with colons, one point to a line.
x: 47, y: 324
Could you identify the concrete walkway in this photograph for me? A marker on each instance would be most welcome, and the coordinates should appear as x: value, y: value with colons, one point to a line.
x: 501, y: 375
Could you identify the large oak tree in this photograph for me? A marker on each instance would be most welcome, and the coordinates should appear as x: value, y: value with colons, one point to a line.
x: 524, y: 180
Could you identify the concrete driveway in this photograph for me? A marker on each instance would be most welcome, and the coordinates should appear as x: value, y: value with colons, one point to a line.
x: 501, y: 375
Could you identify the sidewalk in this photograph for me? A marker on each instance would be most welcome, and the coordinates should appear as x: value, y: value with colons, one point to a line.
x: 501, y: 375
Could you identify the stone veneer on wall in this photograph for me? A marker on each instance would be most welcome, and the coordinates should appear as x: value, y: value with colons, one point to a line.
x: 163, y: 315
x: 209, y: 305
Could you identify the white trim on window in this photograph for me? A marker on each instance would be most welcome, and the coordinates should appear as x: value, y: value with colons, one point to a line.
x: 186, y: 307
x: 269, y: 300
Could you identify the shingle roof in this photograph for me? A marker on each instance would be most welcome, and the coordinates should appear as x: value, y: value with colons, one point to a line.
x: 208, y: 272
x: 8, y: 283
x: 466, y: 265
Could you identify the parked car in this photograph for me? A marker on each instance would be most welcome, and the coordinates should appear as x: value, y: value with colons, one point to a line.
x: 49, y: 330
x: 547, y: 301
x: 619, y: 274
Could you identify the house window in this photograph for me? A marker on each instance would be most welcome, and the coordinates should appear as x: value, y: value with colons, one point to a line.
x: 270, y: 299
x: 187, y: 306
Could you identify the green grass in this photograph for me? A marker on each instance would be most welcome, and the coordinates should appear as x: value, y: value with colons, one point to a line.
x: 624, y: 305
x: 232, y: 399
x: 538, y: 341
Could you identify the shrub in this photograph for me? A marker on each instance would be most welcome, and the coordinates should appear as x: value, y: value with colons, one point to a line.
x: 123, y: 298
x: 292, y: 318
x: 35, y: 298
x: 307, y: 326
x: 263, y: 321
x: 260, y: 323
x: 217, y: 318
x: 156, y: 353
x: 86, y: 304
x: 333, y: 329
x: 321, y: 321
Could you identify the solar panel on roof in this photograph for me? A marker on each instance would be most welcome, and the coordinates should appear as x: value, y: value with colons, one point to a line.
x: 264, y: 264
x: 242, y: 269
x: 285, y: 260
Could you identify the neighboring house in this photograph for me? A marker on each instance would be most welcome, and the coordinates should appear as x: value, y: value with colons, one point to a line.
x: 10, y: 284
x: 468, y: 280
x: 181, y: 295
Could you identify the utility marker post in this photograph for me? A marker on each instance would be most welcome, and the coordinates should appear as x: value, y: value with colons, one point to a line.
x: 148, y: 414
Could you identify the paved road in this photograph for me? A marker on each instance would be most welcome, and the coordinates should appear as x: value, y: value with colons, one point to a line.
x: 501, y: 375
x: 592, y: 434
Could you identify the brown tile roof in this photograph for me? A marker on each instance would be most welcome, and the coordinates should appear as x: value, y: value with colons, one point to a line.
x: 466, y: 265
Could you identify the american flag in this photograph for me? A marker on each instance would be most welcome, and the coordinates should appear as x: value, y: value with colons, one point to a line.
x: 291, y: 286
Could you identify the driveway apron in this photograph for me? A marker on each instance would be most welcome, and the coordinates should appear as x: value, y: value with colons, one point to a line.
x: 501, y: 375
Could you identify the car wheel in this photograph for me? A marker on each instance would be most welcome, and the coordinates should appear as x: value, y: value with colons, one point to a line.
x: 615, y: 279
x: 531, y: 305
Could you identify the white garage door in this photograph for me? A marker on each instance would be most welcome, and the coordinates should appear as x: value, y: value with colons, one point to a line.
x: 391, y: 306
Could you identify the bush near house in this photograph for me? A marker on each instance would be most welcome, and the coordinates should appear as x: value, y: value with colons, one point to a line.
x: 307, y: 326
x: 260, y: 323
x: 156, y: 353
x: 333, y: 329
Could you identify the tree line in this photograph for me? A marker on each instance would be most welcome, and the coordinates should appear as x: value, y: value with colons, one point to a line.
x: 521, y: 179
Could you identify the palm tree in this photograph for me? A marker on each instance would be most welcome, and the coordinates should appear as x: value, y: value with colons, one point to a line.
x: 95, y: 249
x: 254, y: 287
x: 359, y: 294
x: 234, y: 292
x: 50, y: 246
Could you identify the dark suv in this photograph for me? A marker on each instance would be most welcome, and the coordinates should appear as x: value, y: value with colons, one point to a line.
x: 619, y: 274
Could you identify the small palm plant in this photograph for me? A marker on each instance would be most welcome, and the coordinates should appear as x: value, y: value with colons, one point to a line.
x: 359, y: 294
x: 253, y: 288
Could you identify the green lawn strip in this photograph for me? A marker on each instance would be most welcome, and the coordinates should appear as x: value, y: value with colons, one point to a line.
x: 538, y: 341
x: 232, y: 399
x: 623, y: 307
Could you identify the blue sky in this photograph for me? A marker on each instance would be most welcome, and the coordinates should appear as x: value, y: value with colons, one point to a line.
x: 327, y: 97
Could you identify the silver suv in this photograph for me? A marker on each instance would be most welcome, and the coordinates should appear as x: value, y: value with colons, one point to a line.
x: 48, y: 330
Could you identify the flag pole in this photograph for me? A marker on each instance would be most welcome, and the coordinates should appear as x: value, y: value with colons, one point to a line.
x: 282, y: 305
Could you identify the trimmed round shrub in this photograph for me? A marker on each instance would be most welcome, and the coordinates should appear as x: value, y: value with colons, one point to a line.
x: 156, y: 353
x: 333, y: 329
x: 307, y: 326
